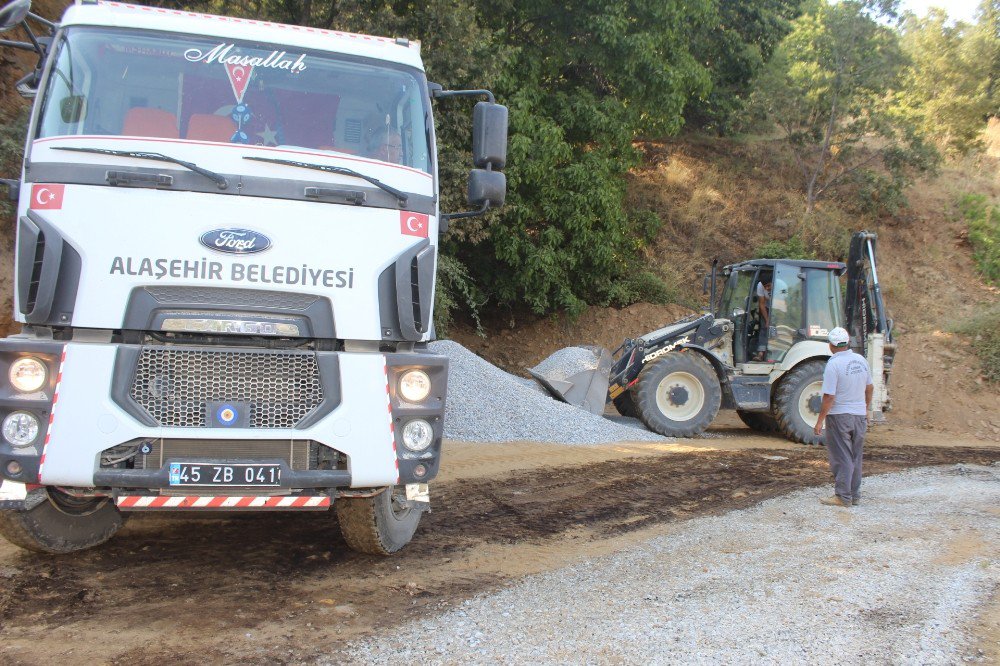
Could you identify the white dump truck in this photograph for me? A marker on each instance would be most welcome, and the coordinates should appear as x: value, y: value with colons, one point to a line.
x: 225, y: 265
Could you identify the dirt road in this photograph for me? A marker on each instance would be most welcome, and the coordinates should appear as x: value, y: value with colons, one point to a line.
x: 284, y: 588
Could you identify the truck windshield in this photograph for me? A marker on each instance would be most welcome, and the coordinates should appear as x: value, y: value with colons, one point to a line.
x: 117, y: 82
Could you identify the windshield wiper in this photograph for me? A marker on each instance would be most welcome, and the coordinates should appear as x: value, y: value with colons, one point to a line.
x: 158, y: 157
x: 343, y: 171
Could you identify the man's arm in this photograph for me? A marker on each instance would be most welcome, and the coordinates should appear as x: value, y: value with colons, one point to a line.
x: 824, y: 410
x: 764, y: 313
x: 869, y: 391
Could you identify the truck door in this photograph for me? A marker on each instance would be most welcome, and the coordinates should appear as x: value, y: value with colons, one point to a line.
x: 733, y: 305
x: 786, y: 311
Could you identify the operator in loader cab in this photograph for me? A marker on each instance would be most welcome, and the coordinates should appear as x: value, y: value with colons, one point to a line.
x: 764, y: 308
x: 847, y: 398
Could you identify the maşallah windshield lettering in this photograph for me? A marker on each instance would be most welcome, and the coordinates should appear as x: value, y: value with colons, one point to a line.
x: 220, y: 54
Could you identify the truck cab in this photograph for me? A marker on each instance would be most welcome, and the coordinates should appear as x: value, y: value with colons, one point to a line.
x: 775, y: 304
x: 227, y: 237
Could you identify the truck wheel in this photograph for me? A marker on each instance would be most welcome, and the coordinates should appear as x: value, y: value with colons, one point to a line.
x: 378, y: 525
x: 759, y: 421
x: 797, y: 402
x: 62, y: 524
x: 678, y: 394
x: 625, y: 404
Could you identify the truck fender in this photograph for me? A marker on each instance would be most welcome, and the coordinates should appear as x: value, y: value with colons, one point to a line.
x: 720, y: 367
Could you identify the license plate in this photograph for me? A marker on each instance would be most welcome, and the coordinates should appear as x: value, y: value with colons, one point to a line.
x: 225, y: 474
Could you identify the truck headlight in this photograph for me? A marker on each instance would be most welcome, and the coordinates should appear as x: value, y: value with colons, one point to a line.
x: 417, y: 435
x: 20, y: 428
x: 414, y: 385
x: 27, y: 374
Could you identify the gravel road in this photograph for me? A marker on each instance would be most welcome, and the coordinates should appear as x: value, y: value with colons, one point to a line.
x: 897, y: 580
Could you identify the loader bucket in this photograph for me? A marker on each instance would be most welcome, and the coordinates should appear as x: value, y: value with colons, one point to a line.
x: 576, y: 375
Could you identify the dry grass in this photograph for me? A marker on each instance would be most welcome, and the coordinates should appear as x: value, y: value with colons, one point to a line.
x: 991, y: 138
x: 725, y: 198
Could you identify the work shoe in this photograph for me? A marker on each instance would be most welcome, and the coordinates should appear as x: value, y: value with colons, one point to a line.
x: 834, y: 501
x: 856, y: 501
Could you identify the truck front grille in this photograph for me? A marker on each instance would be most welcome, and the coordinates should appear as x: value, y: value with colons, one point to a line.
x: 296, y: 453
x: 174, y: 386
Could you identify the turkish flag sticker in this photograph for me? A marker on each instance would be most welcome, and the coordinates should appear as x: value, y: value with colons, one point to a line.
x: 46, y: 197
x: 413, y: 224
x: 239, y: 77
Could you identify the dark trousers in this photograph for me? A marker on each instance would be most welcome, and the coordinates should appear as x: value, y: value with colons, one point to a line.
x: 845, y: 440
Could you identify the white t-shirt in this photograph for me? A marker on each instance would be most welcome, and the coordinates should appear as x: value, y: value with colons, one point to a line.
x: 762, y: 291
x: 846, y: 377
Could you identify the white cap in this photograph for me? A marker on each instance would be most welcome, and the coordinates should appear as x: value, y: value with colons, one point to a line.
x: 839, y: 337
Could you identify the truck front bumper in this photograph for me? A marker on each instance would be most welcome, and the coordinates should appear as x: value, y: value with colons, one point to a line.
x: 105, y: 398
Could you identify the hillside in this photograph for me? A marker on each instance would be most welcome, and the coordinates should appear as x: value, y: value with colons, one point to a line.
x: 725, y: 198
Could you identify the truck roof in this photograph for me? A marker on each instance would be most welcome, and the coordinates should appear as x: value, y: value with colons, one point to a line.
x: 802, y: 263
x: 123, y: 15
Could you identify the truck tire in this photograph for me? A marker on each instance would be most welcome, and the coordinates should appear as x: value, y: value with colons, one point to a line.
x: 625, y: 404
x: 759, y: 421
x: 376, y: 525
x: 797, y: 402
x: 62, y: 524
x: 678, y: 394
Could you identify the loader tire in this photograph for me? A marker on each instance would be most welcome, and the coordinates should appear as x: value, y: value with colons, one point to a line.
x: 62, y: 524
x: 625, y: 404
x: 678, y: 395
x: 797, y: 402
x: 759, y: 421
x: 376, y: 525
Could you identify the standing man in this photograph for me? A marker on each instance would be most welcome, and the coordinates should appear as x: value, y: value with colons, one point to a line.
x: 764, y: 308
x: 847, y: 396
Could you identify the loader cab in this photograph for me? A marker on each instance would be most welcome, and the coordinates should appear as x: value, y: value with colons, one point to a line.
x: 775, y: 304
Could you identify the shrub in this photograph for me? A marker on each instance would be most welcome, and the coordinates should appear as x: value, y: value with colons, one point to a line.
x: 11, y: 152
x: 983, y: 219
x: 793, y: 248
x: 984, y: 329
x: 455, y: 291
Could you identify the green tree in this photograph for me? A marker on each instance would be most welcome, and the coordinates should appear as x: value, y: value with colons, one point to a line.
x: 585, y: 80
x: 949, y: 83
x: 734, y: 47
x: 832, y: 86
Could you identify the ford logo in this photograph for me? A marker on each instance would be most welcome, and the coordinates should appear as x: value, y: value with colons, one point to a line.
x: 235, y: 241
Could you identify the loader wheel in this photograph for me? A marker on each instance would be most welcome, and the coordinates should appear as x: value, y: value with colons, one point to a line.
x: 62, y: 524
x: 678, y: 394
x: 797, y: 402
x: 759, y: 421
x: 625, y: 404
x: 378, y: 525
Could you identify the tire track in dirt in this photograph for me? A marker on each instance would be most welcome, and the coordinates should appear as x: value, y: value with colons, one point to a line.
x: 284, y: 588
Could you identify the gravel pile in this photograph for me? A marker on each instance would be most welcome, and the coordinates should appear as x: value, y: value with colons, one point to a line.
x: 896, y: 580
x: 486, y: 404
x: 567, y: 362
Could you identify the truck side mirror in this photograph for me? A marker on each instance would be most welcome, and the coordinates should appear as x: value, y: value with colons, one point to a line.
x: 487, y: 188
x: 71, y: 108
x: 489, y: 135
x: 13, y: 14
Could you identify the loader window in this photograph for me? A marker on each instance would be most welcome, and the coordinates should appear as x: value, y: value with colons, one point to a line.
x: 734, y: 295
x: 822, y: 302
x: 786, y: 311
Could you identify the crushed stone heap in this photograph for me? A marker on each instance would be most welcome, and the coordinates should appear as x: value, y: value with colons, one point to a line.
x: 486, y: 404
